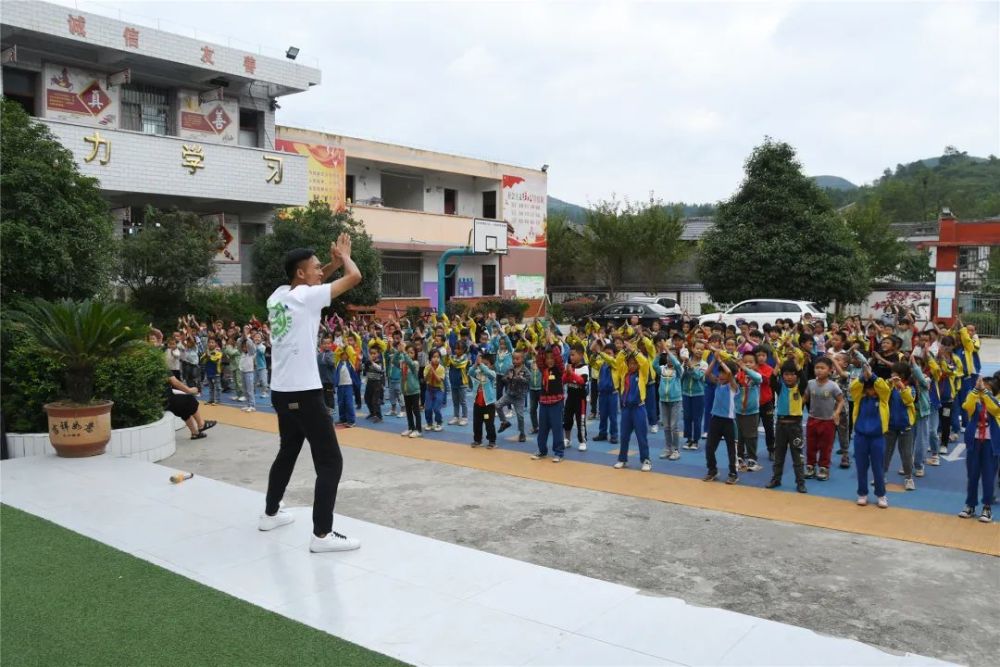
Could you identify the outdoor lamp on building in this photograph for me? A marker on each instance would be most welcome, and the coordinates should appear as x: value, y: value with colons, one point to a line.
x: 545, y: 168
x: 292, y: 52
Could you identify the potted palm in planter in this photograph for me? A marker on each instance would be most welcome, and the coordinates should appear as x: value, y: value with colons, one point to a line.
x: 80, y: 334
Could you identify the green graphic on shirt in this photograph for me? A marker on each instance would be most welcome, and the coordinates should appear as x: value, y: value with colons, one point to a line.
x: 280, y: 320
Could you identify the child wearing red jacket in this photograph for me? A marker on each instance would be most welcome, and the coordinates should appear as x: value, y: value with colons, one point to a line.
x: 550, y: 400
x: 576, y: 378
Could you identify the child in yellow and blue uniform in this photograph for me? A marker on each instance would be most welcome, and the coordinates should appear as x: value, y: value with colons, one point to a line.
x: 982, y: 447
x: 871, y: 420
x: 607, y: 393
x: 633, y: 382
x: 902, y: 418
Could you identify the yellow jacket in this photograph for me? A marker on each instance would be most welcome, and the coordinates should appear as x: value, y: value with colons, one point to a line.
x: 644, y: 375
x: 882, y: 389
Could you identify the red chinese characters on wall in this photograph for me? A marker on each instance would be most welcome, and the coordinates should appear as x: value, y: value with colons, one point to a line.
x: 77, y: 25
x: 131, y: 37
x: 208, y: 55
x: 249, y: 64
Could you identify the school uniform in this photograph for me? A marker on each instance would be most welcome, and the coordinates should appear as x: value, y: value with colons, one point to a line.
x: 633, y: 410
x: 982, y: 446
x: 871, y: 421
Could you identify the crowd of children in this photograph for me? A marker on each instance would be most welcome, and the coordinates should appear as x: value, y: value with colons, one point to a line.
x: 899, y: 392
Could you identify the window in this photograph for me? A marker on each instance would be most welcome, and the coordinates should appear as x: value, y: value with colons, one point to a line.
x: 19, y: 86
x: 744, y: 308
x: 490, y: 204
x: 349, y: 188
x: 770, y: 307
x: 145, y: 109
x: 403, y: 191
x: 451, y: 202
x: 489, y: 279
x: 401, y: 274
x: 792, y: 308
x: 249, y: 126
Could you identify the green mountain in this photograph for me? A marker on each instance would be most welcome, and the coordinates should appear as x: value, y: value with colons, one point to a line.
x: 834, y: 183
x: 916, y: 192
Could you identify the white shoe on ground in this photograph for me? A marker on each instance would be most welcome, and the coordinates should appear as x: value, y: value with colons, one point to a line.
x: 405, y: 433
x: 333, y: 542
x: 582, y: 446
x: 453, y: 421
x: 415, y: 434
x: 883, y: 502
x: 463, y: 422
x: 655, y: 428
x: 647, y: 465
x: 268, y: 522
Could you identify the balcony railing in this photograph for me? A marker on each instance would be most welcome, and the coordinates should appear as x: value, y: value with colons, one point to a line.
x: 393, y: 225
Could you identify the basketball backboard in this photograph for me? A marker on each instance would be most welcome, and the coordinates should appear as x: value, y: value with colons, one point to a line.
x: 489, y: 236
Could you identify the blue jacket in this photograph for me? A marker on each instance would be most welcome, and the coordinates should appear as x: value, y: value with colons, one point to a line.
x: 669, y: 374
x: 752, y: 391
x: 483, y: 376
x: 693, y: 381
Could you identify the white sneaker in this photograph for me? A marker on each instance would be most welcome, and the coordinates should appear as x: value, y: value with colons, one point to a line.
x: 675, y: 455
x: 883, y: 502
x: 655, y: 429
x: 647, y: 465
x: 566, y: 443
x: 582, y: 446
x: 453, y: 421
x: 862, y: 500
x: 405, y: 433
x: 415, y: 434
x: 242, y: 399
x: 619, y: 465
x: 556, y: 459
x: 246, y: 409
x: 909, y: 485
x: 463, y: 422
x: 438, y: 427
x: 333, y: 542
x: 665, y: 454
x: 267, y: 522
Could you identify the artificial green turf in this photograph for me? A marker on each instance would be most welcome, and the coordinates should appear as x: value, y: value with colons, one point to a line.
x: 66, y: 599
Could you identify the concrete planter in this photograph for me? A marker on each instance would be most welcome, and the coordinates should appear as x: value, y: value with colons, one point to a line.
x: 77, y: 430
x: 150, y: 442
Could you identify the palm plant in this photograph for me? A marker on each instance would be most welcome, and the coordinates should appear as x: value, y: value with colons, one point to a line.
x: 79, y: 334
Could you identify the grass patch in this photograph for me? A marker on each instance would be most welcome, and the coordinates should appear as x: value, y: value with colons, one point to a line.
x: 67, y: 599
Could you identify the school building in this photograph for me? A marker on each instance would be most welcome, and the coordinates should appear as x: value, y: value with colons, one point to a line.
x: 417, y: 204
x: 166, y: 120
x: 160, y: 119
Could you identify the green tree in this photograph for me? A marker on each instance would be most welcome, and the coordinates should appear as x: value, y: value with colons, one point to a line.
x: 56, y: 234
x: 915, y: 266
x: 316, y: 227
x: 173, y: 252
x: 779, y: 237
x: 882, y: 249
x: 621, y: 234
x: 565, y: 250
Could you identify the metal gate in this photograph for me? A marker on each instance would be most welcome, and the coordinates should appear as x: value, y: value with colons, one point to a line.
x: 982, y: 310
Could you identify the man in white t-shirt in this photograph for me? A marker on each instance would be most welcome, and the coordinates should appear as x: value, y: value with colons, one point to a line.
x: 297, y: 392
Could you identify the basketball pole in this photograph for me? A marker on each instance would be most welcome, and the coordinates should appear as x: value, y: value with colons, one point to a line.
x: 443, y: 267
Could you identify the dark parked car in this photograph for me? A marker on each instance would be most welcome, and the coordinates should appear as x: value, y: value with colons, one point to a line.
x: 620, y: 312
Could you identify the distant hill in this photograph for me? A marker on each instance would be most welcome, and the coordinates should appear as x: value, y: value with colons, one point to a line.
x: 834, y: 183
x: 572, y: 212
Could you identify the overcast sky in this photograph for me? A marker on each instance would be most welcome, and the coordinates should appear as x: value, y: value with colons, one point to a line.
x: 628, y: 98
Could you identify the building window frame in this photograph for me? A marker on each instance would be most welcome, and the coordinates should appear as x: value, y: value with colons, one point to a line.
x: 402, y: 275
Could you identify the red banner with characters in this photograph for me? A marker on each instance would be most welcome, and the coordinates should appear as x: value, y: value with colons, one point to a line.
x: 327, y: 170
x: 524, y: 210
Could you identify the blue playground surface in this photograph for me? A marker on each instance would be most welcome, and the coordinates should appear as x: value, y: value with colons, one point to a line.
x: 941, y: 490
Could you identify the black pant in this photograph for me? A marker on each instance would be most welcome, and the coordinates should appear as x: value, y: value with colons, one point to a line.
x: 302, y: 415
x: 373, y: 398
x: 484, y: 414
x: 788, y: 436
x: 329, y: 396
x: 945, y: 418
x: 357, y: 396
x: 412, y: 404
x: 575, y: 411
x: 767, y: 419
x: 593, y: 397
x: 719, y: 428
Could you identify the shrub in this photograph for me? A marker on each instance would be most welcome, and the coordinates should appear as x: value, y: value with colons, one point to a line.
x: 986, y: 323
x: 413, y: 313
x: 509, y: 308
x: 577, y: 309
x: 556, y: 313
x: 237, y: 303
x: 456, y: 309
x: 30, y: 380
x: 707, y: 308
x: 134, y: 381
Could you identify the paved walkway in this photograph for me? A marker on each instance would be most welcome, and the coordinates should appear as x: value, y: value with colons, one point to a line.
x: 418, y: 599
x: 898, y: 522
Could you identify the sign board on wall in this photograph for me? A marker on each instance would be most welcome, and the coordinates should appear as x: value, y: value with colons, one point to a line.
x: 217, y: 121
x: 524, y: 208
x: 327, y: 167
x: 80, y: 96
x: 525, y: 286
x: 228, y: 227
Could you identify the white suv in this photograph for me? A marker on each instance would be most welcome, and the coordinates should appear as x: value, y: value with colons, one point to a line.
x: 765, y: 311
